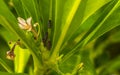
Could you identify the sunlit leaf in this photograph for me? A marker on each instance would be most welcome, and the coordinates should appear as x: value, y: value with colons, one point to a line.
x: 5, y: 73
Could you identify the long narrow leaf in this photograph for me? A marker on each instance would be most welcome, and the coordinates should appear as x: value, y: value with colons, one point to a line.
x: 99, y: 23
x: 5, y: 66
x: 68, y: 15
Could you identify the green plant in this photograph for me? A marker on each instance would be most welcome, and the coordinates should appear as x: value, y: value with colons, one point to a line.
x: 59, y: 42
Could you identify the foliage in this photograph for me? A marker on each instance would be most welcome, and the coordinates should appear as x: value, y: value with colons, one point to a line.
x: 60, y: 37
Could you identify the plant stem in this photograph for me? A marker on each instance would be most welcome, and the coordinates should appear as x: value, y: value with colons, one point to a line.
x: 35, y: 33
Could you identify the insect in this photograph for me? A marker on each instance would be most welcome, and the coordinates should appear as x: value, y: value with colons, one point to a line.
x: 45, y: 38
x: 49, y: 24
x: 10, y: 54
x: 49, y: 45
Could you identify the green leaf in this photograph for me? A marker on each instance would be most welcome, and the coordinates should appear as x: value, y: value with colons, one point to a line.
x: 45, y: 7
x: 85, y: 10
x: 112, y: 19
x: 89, y: 17
x: 92, y: 6
x: 30, y: 6
x: 110, y: 8
x: 101, y: 20
x: 20, y: 9
x: 85, y: 26
x: 66, y: 21
x: 21, y: 59
x: 76, y: 22
x: 68, y: 65
x: 57, y: 12
x: 88, y: 67
x: 2, y: 62
x: 7, y: 64
x: 75, y: 60
x: 10, y: 36
x: 5, y: 73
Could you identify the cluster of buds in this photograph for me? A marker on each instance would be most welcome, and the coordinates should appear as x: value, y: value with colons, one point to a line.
x: 27, y: 25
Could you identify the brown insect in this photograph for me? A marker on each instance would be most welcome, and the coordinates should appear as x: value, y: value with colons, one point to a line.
x: 10, y: 54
